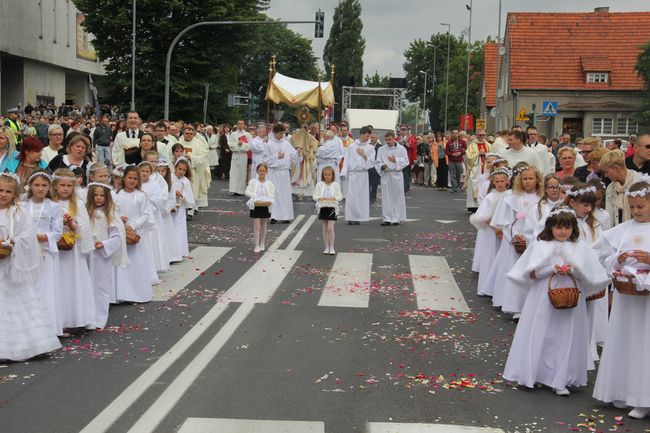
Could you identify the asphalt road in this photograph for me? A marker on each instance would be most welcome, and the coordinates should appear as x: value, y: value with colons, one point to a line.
x: 296, y: 341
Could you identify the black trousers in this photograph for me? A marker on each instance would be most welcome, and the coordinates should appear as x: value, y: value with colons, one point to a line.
x: 373, y: 181
x: 406, y: 172
x: 443, y: 173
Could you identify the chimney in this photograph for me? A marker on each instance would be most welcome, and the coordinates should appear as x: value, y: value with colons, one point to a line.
x: 602, y: 10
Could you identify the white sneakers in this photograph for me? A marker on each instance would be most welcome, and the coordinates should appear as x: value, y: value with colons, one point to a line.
x: 639, y: 412
x: 562, y: 392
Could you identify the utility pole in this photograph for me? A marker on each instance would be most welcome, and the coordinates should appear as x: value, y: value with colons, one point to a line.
x: 133, y: 60
x: 433, y: 80
x: 496, y: 108
x: 447, y: 79
x: 469, y: 52
x: 168, y: 61
x: 424, y: 100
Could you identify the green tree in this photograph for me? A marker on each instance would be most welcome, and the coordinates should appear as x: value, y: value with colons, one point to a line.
x: 643, y: 68
x: 420, y: 57
x: 211, y: 55
x: 345, y: 46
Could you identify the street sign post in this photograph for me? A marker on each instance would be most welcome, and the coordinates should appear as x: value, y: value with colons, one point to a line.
x: 549, y: 108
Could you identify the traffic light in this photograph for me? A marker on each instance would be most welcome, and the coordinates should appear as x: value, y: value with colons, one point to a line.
x: 320, y: 24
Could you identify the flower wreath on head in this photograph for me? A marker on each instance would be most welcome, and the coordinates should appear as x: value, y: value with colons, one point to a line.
x: 502, y: 170
x: 41, y: 174
x: 578, y: 192
x: 560, y: 210
x: 11, y: 175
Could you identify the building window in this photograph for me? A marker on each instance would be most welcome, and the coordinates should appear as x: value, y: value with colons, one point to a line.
x: 602, y: 126
x: 626, y: 127
x: 597, y: 77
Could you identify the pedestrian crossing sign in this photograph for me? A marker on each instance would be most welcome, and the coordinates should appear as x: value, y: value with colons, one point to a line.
x: 549, y: 108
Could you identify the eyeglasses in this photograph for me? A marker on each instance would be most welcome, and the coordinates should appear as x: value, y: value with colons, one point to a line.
x: 480, y: 135
x: 57, y: 134
x: 554, y: 188
x: 585, y: 152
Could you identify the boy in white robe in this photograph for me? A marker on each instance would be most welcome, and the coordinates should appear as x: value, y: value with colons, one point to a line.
x: 239, y: 142
x: 358, y: 158
x: 279, y: 154
x: 391, y: 159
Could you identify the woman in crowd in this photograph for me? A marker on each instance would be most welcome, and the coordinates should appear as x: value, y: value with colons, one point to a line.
x: 440, y: 162
x: 76, y: 154
x: 566, y: 156
x: 29, y: 159
x: 55, y: 140
x: 7, y: 147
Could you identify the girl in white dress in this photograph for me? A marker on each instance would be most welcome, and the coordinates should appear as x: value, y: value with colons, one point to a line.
x: 184, y: 201
x: 625, y: 363
x: 25, y: 325
x: 47, y: 219
x: 261, y: 193
x: 157, y: 201
x: 510, y: 217
x: 582, y: 199
x: 77, y: 296
x: 134, y: 282
x: 328, y: 195
x: 109, y: 244
x: 536, y: 214
x: 549, y: 346
x: 488, y: 240
x: 485, y: 180
x: 162, y: 175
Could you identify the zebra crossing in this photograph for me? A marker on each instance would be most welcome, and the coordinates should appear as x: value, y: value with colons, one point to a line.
x: 219, y: 425
x: 347, y: 286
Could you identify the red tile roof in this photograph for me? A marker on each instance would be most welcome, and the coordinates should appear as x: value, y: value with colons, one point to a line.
x: 555, y: 50
x: 490, y: 59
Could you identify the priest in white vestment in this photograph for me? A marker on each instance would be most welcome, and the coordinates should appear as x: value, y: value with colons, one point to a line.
x: 257, y: 148
x: 196, y: 151
x: 330, y: 153
x: 475, y: 160
x: 391, y: 160
x: 357, y: 160
x: 279, y: 154
x: 239, y: 142
x: 519, y: 153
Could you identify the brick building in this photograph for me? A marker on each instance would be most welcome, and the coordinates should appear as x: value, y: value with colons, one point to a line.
x: 583, y: 61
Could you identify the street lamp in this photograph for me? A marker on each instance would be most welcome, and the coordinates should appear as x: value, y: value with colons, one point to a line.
x: 469, y: 50
x: 424, y: 100
x: 433, y: 80
x: 133, y: 61
x: 447, y: 79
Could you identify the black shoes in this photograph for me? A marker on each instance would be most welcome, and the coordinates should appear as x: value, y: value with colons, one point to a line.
x: 384, y: 224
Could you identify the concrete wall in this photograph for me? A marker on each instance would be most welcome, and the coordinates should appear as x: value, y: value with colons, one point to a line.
x: 43, y: 30
x: 77, y: 89
x: 11, y: 80
x: 509, y: 107
x: 41, y: 79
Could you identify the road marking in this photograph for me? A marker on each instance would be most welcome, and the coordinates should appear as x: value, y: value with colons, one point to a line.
x: 380, y: 218
x: 348, y: 284
x: 301, y: 233
x: 286, y: 232
x: 441, y: 293
x: 133, y: 392
x: 185, y: 272
x: 389, y: 427
x: 261, y: 281
x: 446, y: 221
x: 168, y: 399
x: 219, y: 425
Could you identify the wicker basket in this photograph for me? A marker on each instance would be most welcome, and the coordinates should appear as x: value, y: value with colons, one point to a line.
x: 627, y: 287
x: 263, y: 203
x: 563, y: 298
x: 520, y: 247
x: 66, y: 243
x: 597, y: 296
x: 132, y: 237
x: 5, y: 250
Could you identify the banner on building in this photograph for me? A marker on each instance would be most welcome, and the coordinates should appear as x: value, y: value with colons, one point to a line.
x: 85, y: 49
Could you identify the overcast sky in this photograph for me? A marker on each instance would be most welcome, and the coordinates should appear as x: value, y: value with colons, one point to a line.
x: 389, y: 26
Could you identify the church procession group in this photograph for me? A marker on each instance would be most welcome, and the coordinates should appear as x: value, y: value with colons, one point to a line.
x: 567, y: 253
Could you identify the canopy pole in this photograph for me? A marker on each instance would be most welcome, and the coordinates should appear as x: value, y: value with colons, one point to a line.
x: 320, y: 103
x: 268, y: 102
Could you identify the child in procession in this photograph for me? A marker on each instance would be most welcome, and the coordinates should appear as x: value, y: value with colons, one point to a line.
x: 77, y: 297
x: 625, y: 363
x: 328, y: 195
x: 549, y: 346
x: 184, y: 200
x: 47, y: 220
x: 536, y: 214
x: 133, y: 283
x: 109, y: 247
x: 26, y: 329
x: 261, y: 193
x: 157, y: 200
x: 488, y: 239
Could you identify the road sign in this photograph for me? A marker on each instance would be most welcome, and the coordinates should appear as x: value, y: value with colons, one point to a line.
x: 480, y: 123
x: 549, y: 108
x: 522, y: 115
x: 238, y: 100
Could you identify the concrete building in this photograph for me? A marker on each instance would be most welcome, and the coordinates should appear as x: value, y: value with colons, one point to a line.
x: 45, y: 56
x: 585, y: 62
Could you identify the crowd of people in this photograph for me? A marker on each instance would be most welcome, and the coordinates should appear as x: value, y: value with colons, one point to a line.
x: 566, y: 251
x: 106, y: 207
